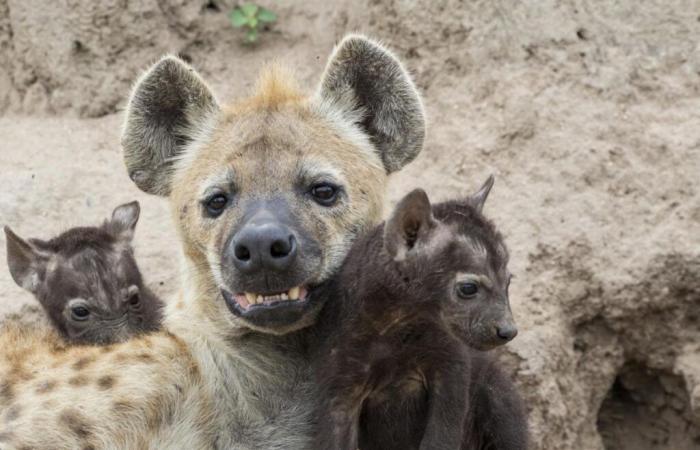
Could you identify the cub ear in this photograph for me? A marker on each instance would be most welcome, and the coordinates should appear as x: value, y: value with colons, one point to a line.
x: 124, y: 219
x: 366, y: 80
x: 27, y: 263
x: 167, y: 107
x: 478, y: 199
x: 410, y: 223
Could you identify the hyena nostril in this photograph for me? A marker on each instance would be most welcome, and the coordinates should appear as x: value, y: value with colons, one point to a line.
x: 281, y: 247
x: 242, y: 253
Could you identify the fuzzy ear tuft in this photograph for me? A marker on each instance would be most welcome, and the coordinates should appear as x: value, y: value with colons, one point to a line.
x: 478, y: 199
x: 124, y: 219
x: 167, y: 107
x: 27, y: 264
x: 363, y: 75
x: 410, y: 222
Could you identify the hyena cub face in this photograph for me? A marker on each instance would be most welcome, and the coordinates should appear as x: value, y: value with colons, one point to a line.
x: 269, y: 193
x: 461, y: 262
x: 87, y: 280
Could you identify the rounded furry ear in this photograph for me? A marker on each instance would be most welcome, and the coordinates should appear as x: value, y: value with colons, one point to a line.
x: 478, y: 199
x: 410, y: 223
x: 27, y: 263
x: 124, y: 219
x: 365, y: 80
x: 168, y: 106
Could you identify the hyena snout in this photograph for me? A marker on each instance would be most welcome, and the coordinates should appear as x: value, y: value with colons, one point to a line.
x: 268, y: 265
x: 263, y: 244
x: 506, y: 330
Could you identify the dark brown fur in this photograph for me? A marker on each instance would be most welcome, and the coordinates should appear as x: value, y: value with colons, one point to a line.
x: 92, y: 271
x: 399, y: 366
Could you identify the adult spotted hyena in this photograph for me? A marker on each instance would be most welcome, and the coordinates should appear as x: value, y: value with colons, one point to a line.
x: 267, y: 195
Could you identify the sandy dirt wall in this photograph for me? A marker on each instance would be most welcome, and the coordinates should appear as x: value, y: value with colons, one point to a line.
x: 587, y: 112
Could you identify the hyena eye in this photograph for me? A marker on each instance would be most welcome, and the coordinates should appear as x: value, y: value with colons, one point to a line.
x: 215, y: 204
x: 79, y: 313
x: 324, y: 194
x: 467, y: 289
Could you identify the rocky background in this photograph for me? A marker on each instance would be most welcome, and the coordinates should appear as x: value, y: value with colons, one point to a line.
x: 588, y: 112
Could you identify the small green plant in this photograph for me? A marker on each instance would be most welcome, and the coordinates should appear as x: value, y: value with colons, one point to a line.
x: 251, y: 17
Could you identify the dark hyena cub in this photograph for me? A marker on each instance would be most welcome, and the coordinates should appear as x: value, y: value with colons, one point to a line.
x: 87, y: 280
x: 412, y: 301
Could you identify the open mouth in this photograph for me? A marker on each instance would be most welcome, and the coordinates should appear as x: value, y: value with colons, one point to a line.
x: 251, y: 300
x: 272, y: 310
x: 250, y: 304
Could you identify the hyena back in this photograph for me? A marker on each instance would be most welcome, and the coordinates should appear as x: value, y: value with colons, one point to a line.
x: 267, y: 196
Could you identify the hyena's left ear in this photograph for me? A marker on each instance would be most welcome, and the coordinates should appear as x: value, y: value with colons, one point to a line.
x: 167, y: 108
x: 124, y: 219
x: 362, y: 76
x: 410, y: 223
x: 478, y: 199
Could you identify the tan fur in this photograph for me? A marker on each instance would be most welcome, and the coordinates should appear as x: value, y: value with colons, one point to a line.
x: 211, y: 380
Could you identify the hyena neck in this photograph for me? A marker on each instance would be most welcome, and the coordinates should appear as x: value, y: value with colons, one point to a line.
x: 259, y: 383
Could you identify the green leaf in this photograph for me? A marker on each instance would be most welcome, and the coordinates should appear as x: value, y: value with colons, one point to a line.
x: 251, y: 36
x: 249, y: 9
x: 253, y: 22
x: 238, y: 19
x: 265, y: 15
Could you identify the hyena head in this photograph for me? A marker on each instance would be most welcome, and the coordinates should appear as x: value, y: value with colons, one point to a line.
x: 269, y: 193
x: 87, y: 280
x: 457, y: 261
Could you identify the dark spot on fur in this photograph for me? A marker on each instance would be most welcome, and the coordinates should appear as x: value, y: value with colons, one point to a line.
x: 83, y: 362
x: 6, y: 437
x: 76, y: 423
x: 7, y: 393
x: 106, y: 382
x: 145, y: 357
x: 45, y: 386
x: 13, y: 413
x: 78, y: 380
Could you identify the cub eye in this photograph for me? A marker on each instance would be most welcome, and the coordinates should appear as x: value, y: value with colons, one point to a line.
x: 79, y: 313
x: 325, y: 194
x: 215, y: 205
x: 467, y: 290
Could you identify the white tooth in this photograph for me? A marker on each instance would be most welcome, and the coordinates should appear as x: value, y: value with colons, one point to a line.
x: 250, y: 297
x: 284, y: 296
x: 294, y: 293
x: 260, y: 299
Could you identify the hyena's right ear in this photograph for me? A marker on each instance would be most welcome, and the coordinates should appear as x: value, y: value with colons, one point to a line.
x: 410, y: 223
x: 167, y: 108
x: 366, y: 80
x: 27, y: 263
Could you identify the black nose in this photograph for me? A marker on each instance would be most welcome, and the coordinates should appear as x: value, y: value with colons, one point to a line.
x: 507, y: 332
x: 266, y: 245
